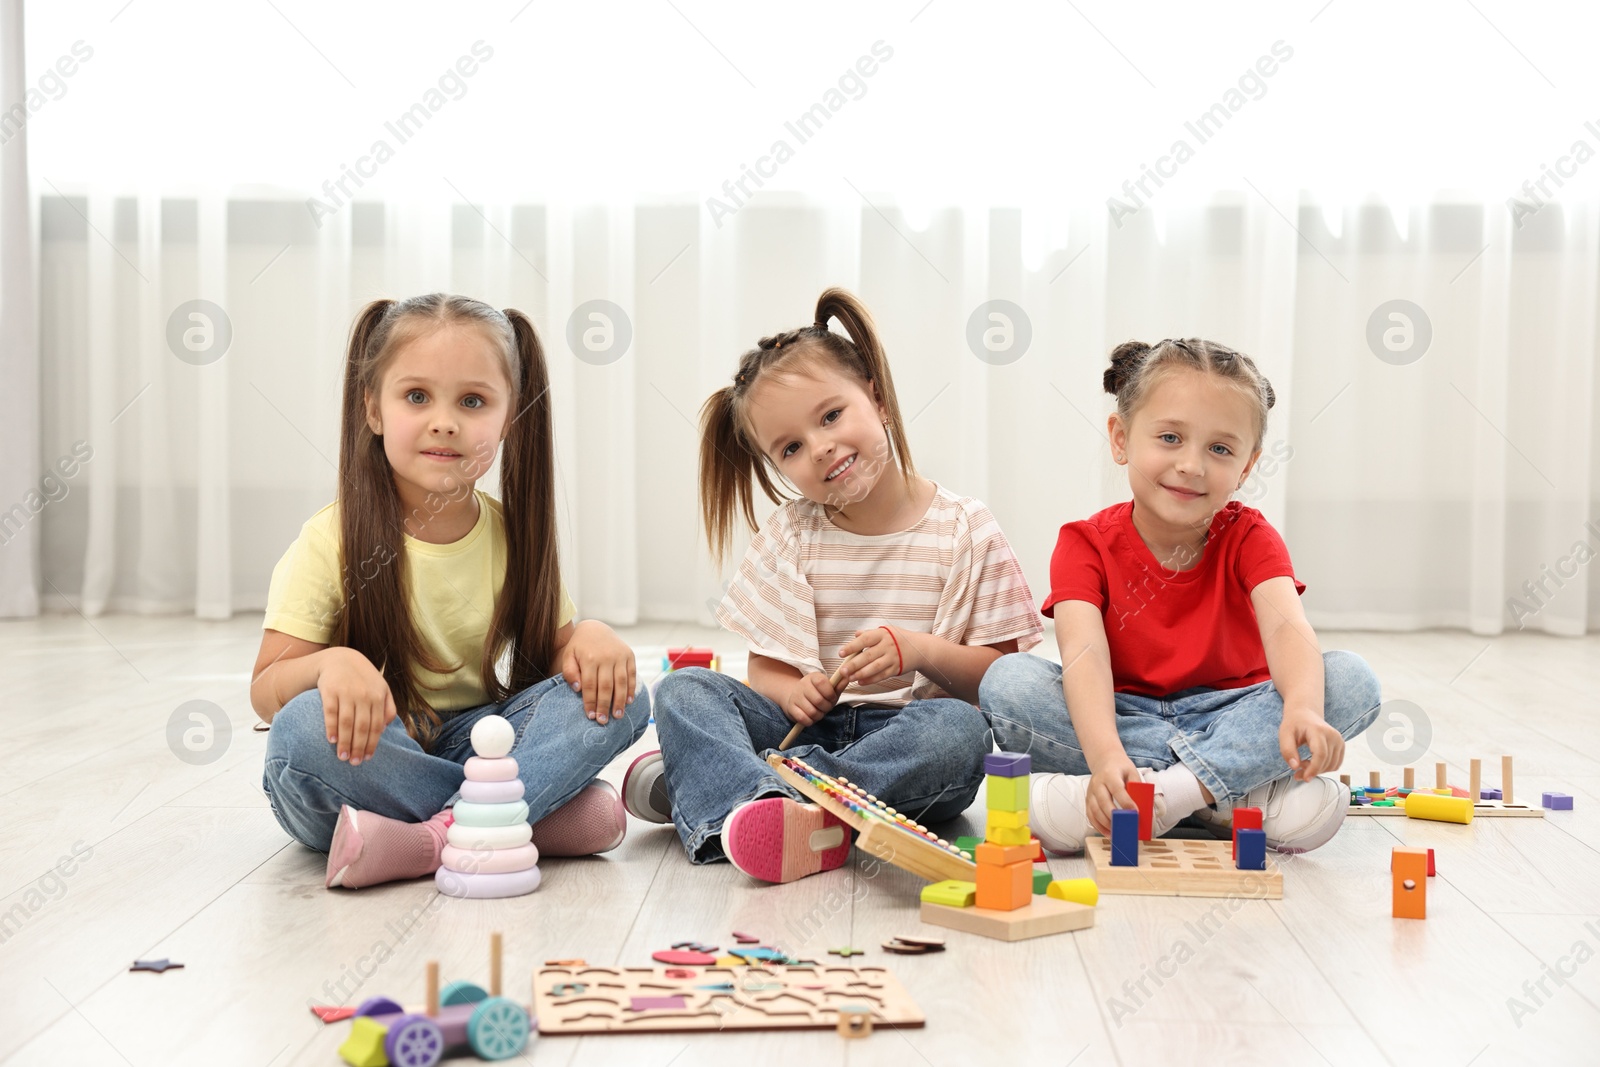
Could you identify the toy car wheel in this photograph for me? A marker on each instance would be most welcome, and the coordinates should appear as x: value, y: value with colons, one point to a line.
x: 379, y: 1006
x: 461, y: 993
x: 498, y: 1029
x: 414, y: 1041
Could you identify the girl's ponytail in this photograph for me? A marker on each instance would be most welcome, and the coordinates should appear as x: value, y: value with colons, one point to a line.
x: 728, y: 467
x: 528, y: 610
x: 873, y: 364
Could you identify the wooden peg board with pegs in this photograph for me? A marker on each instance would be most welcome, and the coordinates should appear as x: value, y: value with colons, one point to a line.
x: 1172, y: 867
x: 887, y: 834
x: 643, y: 1000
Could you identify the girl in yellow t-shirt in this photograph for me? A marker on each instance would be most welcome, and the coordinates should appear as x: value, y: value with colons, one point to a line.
x: 389, y: 616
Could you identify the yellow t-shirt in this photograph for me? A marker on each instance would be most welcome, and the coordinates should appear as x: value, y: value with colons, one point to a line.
x: 453, y: 590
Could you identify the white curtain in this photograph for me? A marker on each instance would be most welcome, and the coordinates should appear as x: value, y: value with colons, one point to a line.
x: 1445, y: 483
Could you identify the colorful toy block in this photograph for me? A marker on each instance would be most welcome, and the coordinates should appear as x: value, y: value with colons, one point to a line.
x: 1008, y: 764
x: 969, y: 846
x: 1041, y: 880
x: 689, y: 657
x: 951, y: 893
x: 1006, y: 794
x: 1012, y: 835
x: 1004, y: 887
x: 1421, y: 805
x: 1489, y: 794
x: 1125, y: 838
x: 1244, y: 819
x: 1011, y: 819
x: 1002, y: 855
x: 1555, y: 801
x: 1249, y: 849
x: 1144, y: 800
x: 1410, y: 881
x: 1076, y: 890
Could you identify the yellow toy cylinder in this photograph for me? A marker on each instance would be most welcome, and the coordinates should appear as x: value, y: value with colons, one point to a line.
x: 1439, y: 809
x: 1076, y: 890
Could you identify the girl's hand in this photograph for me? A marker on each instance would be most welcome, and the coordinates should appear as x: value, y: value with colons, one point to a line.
x: 1108, y: 791
x: 600, y: 665
x: 1306, y: 726
x: 879, y: 653
x: 811, y: 697
x: 356, y: 705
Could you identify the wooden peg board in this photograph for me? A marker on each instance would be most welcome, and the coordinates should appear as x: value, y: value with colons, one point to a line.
x: 892, y: 838
x: 1172, y: 867
x: 761, y: 998
x: 1483, y: 809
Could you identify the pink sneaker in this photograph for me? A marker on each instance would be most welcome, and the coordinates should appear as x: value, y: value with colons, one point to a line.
x: 593, y: 821
x: 644, y: 789
x: 776, y: 839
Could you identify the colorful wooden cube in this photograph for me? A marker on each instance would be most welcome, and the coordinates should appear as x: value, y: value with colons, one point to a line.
x: 1244, y: 819
x: 1010, y: 835
x: 1008, y: 764
x: 1041, y: 880
x: 1250, y: 849
x: 1144, y: 801
x: 1005, y: 887
x: 1410, y: 879
x: 952, y: 893
x: 1555, y: 801
x: 1002, y: 855
x: 1125, y: 838
x: 969, y: 845
x: 1005, y: 794
x: 1007, y: 818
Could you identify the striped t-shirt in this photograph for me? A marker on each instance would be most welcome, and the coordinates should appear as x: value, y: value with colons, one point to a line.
x: 805, y: 587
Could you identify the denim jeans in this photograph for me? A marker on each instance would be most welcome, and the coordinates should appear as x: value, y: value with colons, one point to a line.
x: 924, y: 759
x: 1227, y: 737
x: 306, y: 782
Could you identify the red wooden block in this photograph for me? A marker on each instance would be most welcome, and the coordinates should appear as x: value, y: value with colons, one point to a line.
x: 1005, y: 887
x: 1244, y: 819
x: 1144, y: 798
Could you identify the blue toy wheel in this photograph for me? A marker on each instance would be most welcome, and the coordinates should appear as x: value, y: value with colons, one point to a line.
x: 498, y: 1029
x: 414, y: 1041
x: 461, y: 993
x: 379, y: 1006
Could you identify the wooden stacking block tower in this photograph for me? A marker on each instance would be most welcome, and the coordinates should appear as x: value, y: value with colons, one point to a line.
x: 1005, y: 860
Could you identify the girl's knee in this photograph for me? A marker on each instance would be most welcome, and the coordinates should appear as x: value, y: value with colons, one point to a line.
x: 298, y: 724
x: 685, y: 691
x: 1015, y: 678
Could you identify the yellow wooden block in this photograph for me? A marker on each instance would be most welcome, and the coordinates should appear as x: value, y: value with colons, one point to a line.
x: 1006, y: 794
x: 1077, y: 890
x: 1008, y: 835
x: 1012, y: 819
x: 1420, y: 805
x: 364, y: 1045
x: 951, y: 893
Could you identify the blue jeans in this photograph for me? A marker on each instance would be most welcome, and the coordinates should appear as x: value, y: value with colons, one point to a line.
x: 306, y: 782
x: 924, y: 759
x: 1227, y: 737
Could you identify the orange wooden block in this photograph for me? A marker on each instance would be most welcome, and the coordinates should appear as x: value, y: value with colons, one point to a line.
x: 1002, y: 855
x: 1005, y: 887
x: 1410, y: 867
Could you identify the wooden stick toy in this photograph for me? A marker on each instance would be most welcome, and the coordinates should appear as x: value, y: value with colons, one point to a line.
x: 794, y: 731
x: 1505, y: 780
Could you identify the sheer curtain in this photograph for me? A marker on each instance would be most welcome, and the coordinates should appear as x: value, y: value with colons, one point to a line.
x: 1430, y: 460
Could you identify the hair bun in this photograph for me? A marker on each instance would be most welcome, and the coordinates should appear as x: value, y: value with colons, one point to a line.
x: 1126, y: 358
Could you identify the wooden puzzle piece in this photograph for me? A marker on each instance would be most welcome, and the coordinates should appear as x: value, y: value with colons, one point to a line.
x: 1171, y: 867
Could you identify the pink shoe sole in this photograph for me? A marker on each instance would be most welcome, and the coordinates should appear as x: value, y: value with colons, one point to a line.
x: 345, y: 849
x: 779, y: 840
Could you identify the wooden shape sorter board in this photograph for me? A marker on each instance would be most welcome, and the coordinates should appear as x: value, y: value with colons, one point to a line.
x: 613, y: 1000
x: 884, y: 833
x: 1173, y: 867
x: 1483, y: 809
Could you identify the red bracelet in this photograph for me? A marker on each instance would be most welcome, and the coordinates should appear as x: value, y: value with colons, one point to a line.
x: 900, y: 663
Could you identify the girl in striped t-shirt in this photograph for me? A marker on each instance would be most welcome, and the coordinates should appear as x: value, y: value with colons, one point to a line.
x: 903, y: 589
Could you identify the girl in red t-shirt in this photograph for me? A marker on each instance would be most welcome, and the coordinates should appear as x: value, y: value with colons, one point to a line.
x: 1189, y: 661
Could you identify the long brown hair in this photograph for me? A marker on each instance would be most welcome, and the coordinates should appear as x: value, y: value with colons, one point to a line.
x: 376, y: 618
x: 731, y: 463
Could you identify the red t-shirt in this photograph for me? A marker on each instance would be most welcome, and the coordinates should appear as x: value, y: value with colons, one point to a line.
x: 1173, y: 630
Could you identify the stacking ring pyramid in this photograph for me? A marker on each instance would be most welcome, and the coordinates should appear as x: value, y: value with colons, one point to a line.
x: 489, y: 850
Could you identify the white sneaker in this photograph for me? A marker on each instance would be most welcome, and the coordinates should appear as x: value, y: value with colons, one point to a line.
x: 1297, y: 816
x: 1056, y: 813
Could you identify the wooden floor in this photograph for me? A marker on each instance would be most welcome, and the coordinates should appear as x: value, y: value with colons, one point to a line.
x: 116, y: 850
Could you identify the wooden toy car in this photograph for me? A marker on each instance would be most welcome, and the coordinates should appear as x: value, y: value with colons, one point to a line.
x: 493, y: 1027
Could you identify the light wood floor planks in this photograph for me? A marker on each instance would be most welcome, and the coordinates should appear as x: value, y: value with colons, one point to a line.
x: 185, y: 861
